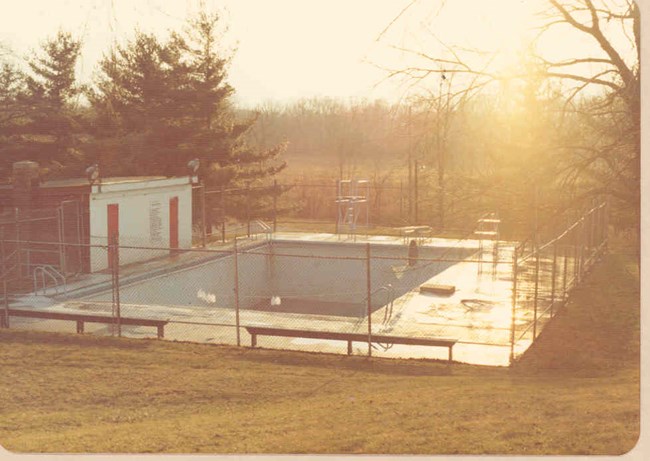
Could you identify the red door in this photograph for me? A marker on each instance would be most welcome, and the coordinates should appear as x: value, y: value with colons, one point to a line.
x: 113, y: 220
x: 173, y: 223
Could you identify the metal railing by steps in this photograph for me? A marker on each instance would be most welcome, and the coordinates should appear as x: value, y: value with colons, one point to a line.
x: 53, y: 274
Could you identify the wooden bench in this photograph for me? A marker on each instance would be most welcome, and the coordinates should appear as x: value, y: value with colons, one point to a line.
x: 82, y: 318
x: 349, y: 337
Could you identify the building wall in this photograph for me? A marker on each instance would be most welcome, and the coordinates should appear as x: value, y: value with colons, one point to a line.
x: 143, y: 218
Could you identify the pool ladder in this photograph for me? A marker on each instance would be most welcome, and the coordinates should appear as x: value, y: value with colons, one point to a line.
x: 266, y: 229
x: 53, y: 275
x: 390, y: 298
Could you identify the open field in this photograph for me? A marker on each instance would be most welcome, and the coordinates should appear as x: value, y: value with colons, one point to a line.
x: 576, y: 391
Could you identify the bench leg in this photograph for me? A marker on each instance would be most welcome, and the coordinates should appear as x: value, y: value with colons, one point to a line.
x: 3, y: 320
x: 253, y: 340
x: 161, y: 331
x: 80, y: 326
x: 450, y: 356
x: 349, y: 347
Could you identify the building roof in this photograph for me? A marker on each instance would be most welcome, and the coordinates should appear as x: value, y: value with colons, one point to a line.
x: 77, y: 182
x: 83, y: 182
x: 58, y: 189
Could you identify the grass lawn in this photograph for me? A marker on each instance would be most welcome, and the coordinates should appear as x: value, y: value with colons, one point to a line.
x: 575, y: 392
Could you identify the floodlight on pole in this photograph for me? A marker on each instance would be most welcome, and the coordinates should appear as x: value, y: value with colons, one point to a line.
x: 92, y: 172
x: 193, y: 167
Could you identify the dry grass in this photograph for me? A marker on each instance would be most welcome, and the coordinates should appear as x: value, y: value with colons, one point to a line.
x: 575, y: 392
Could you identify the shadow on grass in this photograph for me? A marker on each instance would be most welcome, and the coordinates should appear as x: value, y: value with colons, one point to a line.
x: 597, y: 332
x: 68, y: 339
x: 354, y: 363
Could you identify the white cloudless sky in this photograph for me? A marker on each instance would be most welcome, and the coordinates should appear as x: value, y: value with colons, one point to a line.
x: 285, y: 49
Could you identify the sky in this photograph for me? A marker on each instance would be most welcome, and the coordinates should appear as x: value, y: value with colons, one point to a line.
x: 292, y: 49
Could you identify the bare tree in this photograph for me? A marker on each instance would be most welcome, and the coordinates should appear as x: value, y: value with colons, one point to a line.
x: 600, y: 92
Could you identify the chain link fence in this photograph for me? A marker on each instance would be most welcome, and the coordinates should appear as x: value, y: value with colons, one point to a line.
x: 492, y: 298
x: 228, y: 212
x: 544, y: 273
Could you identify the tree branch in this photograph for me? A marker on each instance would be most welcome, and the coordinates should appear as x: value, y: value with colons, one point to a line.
x: 580, y: 78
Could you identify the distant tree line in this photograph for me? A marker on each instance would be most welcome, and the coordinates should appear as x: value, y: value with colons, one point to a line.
x: 492, y: 152
x: 533, y: 143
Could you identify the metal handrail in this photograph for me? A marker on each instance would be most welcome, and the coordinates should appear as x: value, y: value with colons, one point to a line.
x: 53, y: 274
x: 390, y: 298
x: 390, y: 291
x: 268, y: 230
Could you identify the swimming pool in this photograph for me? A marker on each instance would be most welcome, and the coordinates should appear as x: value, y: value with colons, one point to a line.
x: 320, y: 278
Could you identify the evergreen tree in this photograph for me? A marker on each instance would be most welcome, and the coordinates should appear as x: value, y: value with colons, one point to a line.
x: 219, y: 137
x: 13, y: 115
x: 164, y: 103
x: 169, y: 103
x: 52, y: 133
x: 133, y: 102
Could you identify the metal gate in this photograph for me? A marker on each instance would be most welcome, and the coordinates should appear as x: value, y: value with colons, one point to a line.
x: 70, y: 250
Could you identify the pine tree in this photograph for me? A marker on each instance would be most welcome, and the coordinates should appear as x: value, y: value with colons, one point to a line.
x: 164, y: 103
x: 134, y: 109
x: 52, y: 134
x: 219, y: 137
x: 13, y: 115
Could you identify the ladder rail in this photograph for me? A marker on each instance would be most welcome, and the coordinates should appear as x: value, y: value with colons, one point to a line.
x: 487, y: 228
x: 266, y: 228
x: 53, y: 274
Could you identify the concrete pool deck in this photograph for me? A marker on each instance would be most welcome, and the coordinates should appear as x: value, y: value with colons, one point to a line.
x: 478, y: 314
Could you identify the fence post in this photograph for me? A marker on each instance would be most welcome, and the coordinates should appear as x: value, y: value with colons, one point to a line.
x: 203, y: 220
x: 79, y: 233
x: 606, y: 223
x: 19, y: 250
x: 564, y: 273
x: 337, y: 209
x: 514, y: 305
x: 553, y: 276
x: 223, y: 213
x: 401, y: 200
x: 592, y: 232
x: 3, y: 260
x: 275, y: 205
x: 536, y: 291
x: 378, y: 194
x: 369, y: 299
x: 116, y: 283
x: 5, y: 293
x: 574, y: 241
x: 248, y: 210
x: 585, y: 244
x: 237, y: 293
x: 60, y: 230
x: 3, y: 270
x: 581, y: 247
x: 601, y: 228
x: 416, y: 198
x: 600, y: 234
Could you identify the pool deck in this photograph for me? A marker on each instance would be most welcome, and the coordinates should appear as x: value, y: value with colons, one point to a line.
x: 478, y: 314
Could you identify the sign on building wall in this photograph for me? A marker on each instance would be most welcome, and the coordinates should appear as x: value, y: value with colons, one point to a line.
x: 155, y: 222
